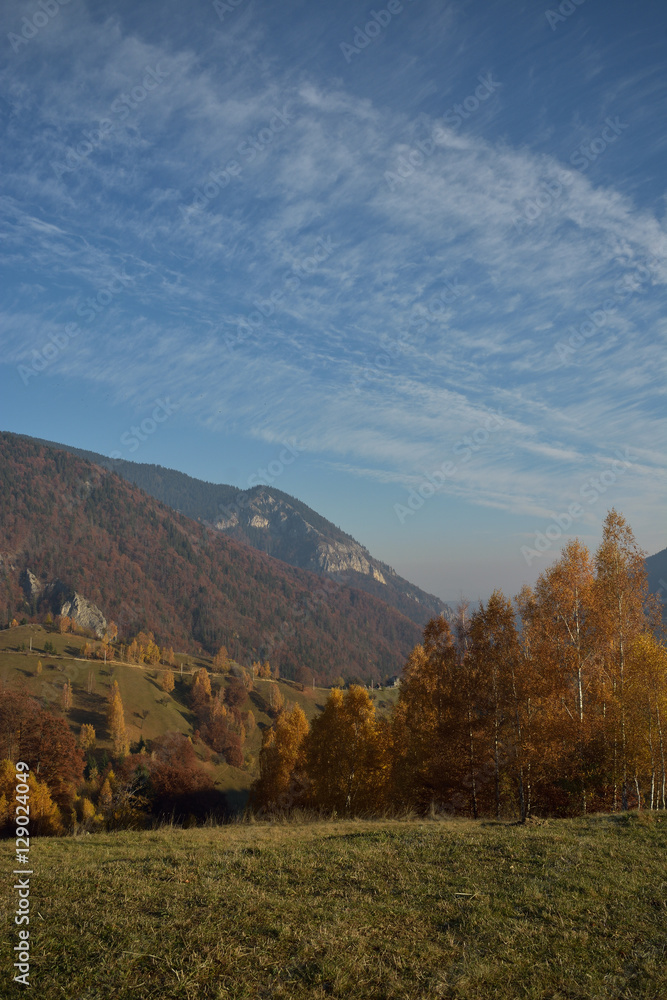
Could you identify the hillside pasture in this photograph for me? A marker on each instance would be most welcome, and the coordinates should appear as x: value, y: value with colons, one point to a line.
x: 149, y: 711
x: 389, y: 910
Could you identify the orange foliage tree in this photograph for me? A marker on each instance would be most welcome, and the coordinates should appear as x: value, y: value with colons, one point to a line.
x: 64, y: 624
x: 45, y: 817
x: 346, y: 754
x: 221, y: 660
x: 552, y: 703
x: 167, y: 683
x: 622, y: 612
x: 281, y: 763
x: 116, y: 721
x: 87, y: 737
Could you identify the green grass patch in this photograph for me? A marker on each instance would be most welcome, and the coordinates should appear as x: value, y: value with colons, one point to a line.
x: 561, y: 910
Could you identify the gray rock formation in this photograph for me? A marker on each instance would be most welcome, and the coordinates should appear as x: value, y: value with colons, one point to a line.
x: 276, y: 527
x: 63, y: 600
x: 272, y: 522
x: 32, y: 587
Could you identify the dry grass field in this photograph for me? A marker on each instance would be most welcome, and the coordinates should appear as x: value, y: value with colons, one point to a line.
x: 560, y: 910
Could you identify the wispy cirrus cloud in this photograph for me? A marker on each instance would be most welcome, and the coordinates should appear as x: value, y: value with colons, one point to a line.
x: 196, y: 270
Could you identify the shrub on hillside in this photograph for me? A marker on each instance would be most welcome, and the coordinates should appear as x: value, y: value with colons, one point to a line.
x: 176, y: 780
x: 236, y: 693
x: 224, y: 741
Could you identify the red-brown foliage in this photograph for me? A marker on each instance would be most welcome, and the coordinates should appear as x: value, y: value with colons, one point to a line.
x: 152, y: 569
x: 43, y: 741
x: 236, y: 693
x: 174, y: 769
x: 221, y: 738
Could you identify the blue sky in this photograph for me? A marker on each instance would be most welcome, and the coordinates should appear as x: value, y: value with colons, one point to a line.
x: 423, y: 242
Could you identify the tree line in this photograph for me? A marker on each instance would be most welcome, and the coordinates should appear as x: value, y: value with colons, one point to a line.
x: 553, y: 703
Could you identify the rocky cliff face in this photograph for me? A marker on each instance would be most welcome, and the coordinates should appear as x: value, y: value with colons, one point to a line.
x: 270, y: 523
x: 281, y: 530
x: 32, y: 587
x: 78, y: 608
x: 63, y: 600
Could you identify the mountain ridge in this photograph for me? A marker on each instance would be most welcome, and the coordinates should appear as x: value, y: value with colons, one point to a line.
x: 149, y: 568
x: 276, y: 523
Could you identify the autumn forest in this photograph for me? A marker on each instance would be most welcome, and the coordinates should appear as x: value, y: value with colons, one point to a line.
x: 552, y: 704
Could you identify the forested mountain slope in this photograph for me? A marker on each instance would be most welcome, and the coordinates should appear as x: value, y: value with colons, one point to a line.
x: 147, y: 567
x: 278, y: 524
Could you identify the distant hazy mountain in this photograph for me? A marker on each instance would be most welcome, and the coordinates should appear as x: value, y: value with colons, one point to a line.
x: 657, y: 577
x: 278, y: 524
x: 75, y: 531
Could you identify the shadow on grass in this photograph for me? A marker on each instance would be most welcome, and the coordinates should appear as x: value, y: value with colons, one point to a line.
x: 237, y: 799
x: 198, y: 807
x: 260, y: 702
x: 81, y: 715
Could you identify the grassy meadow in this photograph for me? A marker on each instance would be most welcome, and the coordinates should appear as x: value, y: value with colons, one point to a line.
x: 413, y: 908
x: 555, y: 910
